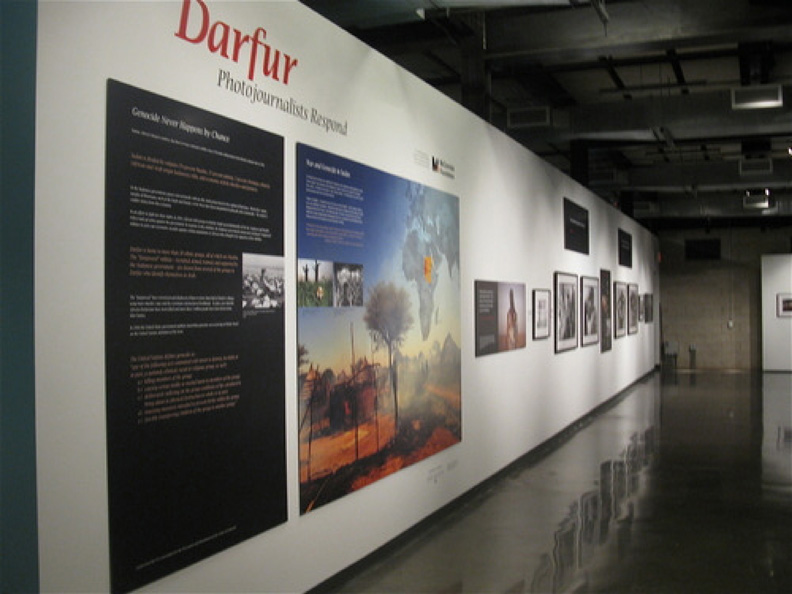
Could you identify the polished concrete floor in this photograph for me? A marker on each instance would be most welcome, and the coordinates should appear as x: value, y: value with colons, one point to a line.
x: 684, y: 485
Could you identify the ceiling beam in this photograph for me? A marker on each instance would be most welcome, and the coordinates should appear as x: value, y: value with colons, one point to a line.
x: 573, y: 36
x: 697, y: 117
x: 709, y: 176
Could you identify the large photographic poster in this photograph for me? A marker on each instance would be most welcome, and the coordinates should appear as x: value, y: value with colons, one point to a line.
x: 194, y: 331
x: 500, y: 317
x: 379, y: 364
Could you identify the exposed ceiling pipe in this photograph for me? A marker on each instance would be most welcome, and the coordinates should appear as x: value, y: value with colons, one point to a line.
x: 602, y: 13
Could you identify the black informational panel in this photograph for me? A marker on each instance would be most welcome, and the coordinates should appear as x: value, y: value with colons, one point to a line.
x: 195, y: 334
x: 486, y: 293
x: 576, y: 227
x: 625, y: 249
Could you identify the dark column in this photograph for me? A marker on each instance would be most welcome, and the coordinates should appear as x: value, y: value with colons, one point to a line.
x: 579, y: 161
x: 18, y: 519
x: 475, y: 76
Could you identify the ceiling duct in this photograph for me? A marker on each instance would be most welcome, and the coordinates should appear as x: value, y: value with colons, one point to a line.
x: 756, y: 200
x: 756, y: 166
x: 602, y: 12
x: 645, y: 208
x: 757, y: 97
x: 756, y: 158
x: 528, y: 117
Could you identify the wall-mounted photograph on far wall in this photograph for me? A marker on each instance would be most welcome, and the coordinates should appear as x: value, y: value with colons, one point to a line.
x: 619, y: 309
x: 576, y: 227
x: 566, y: 298
x: 648, y: 303
x: 589, y: 310
x: 378, y: 324
x: 500, y: 317
x: 633, y: 308
x: 625, y: 249
x: 784, y: 305
x: 541, y: 313
x: 606, y: 321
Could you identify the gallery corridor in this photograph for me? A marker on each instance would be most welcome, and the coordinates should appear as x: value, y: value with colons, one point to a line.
x: 682, y: 484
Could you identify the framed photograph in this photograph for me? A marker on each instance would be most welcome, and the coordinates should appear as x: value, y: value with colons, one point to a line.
x: 541, y: 313
x: 606, y: 319
x: 633, y: 308
x: 511, y: 316
x: 619, y: 309
x: 648, y: 308
x: 784, y: 305
x: 566, y: 299
x: 589, y: 310
x: 500, y: 317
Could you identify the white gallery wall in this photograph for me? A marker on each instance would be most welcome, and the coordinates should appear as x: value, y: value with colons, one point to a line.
x: 776, y: 325
x: 511, y: 230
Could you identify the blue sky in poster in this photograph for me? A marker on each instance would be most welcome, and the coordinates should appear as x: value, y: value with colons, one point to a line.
x: 351, y: 213
x: 383, y: 202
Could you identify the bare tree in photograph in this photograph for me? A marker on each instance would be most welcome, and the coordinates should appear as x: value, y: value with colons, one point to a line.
x: 388, y: 319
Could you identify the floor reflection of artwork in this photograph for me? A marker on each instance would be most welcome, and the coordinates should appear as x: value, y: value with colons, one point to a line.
x: 595, y: 519
x: 565, y: 551
x: 378, y: 324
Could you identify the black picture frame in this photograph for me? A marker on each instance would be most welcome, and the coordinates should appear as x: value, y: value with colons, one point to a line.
x: 633, y: 308
x: 541, y: 313
x: 589, y: 310
x: 648, y: 308
x: 784, y: 305
x: 606, y: 318
x: 619, y: 309
x: 566, y: 311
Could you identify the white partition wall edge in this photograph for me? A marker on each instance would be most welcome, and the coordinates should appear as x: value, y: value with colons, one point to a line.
x: 776, y: 318
x: 511, y: 229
